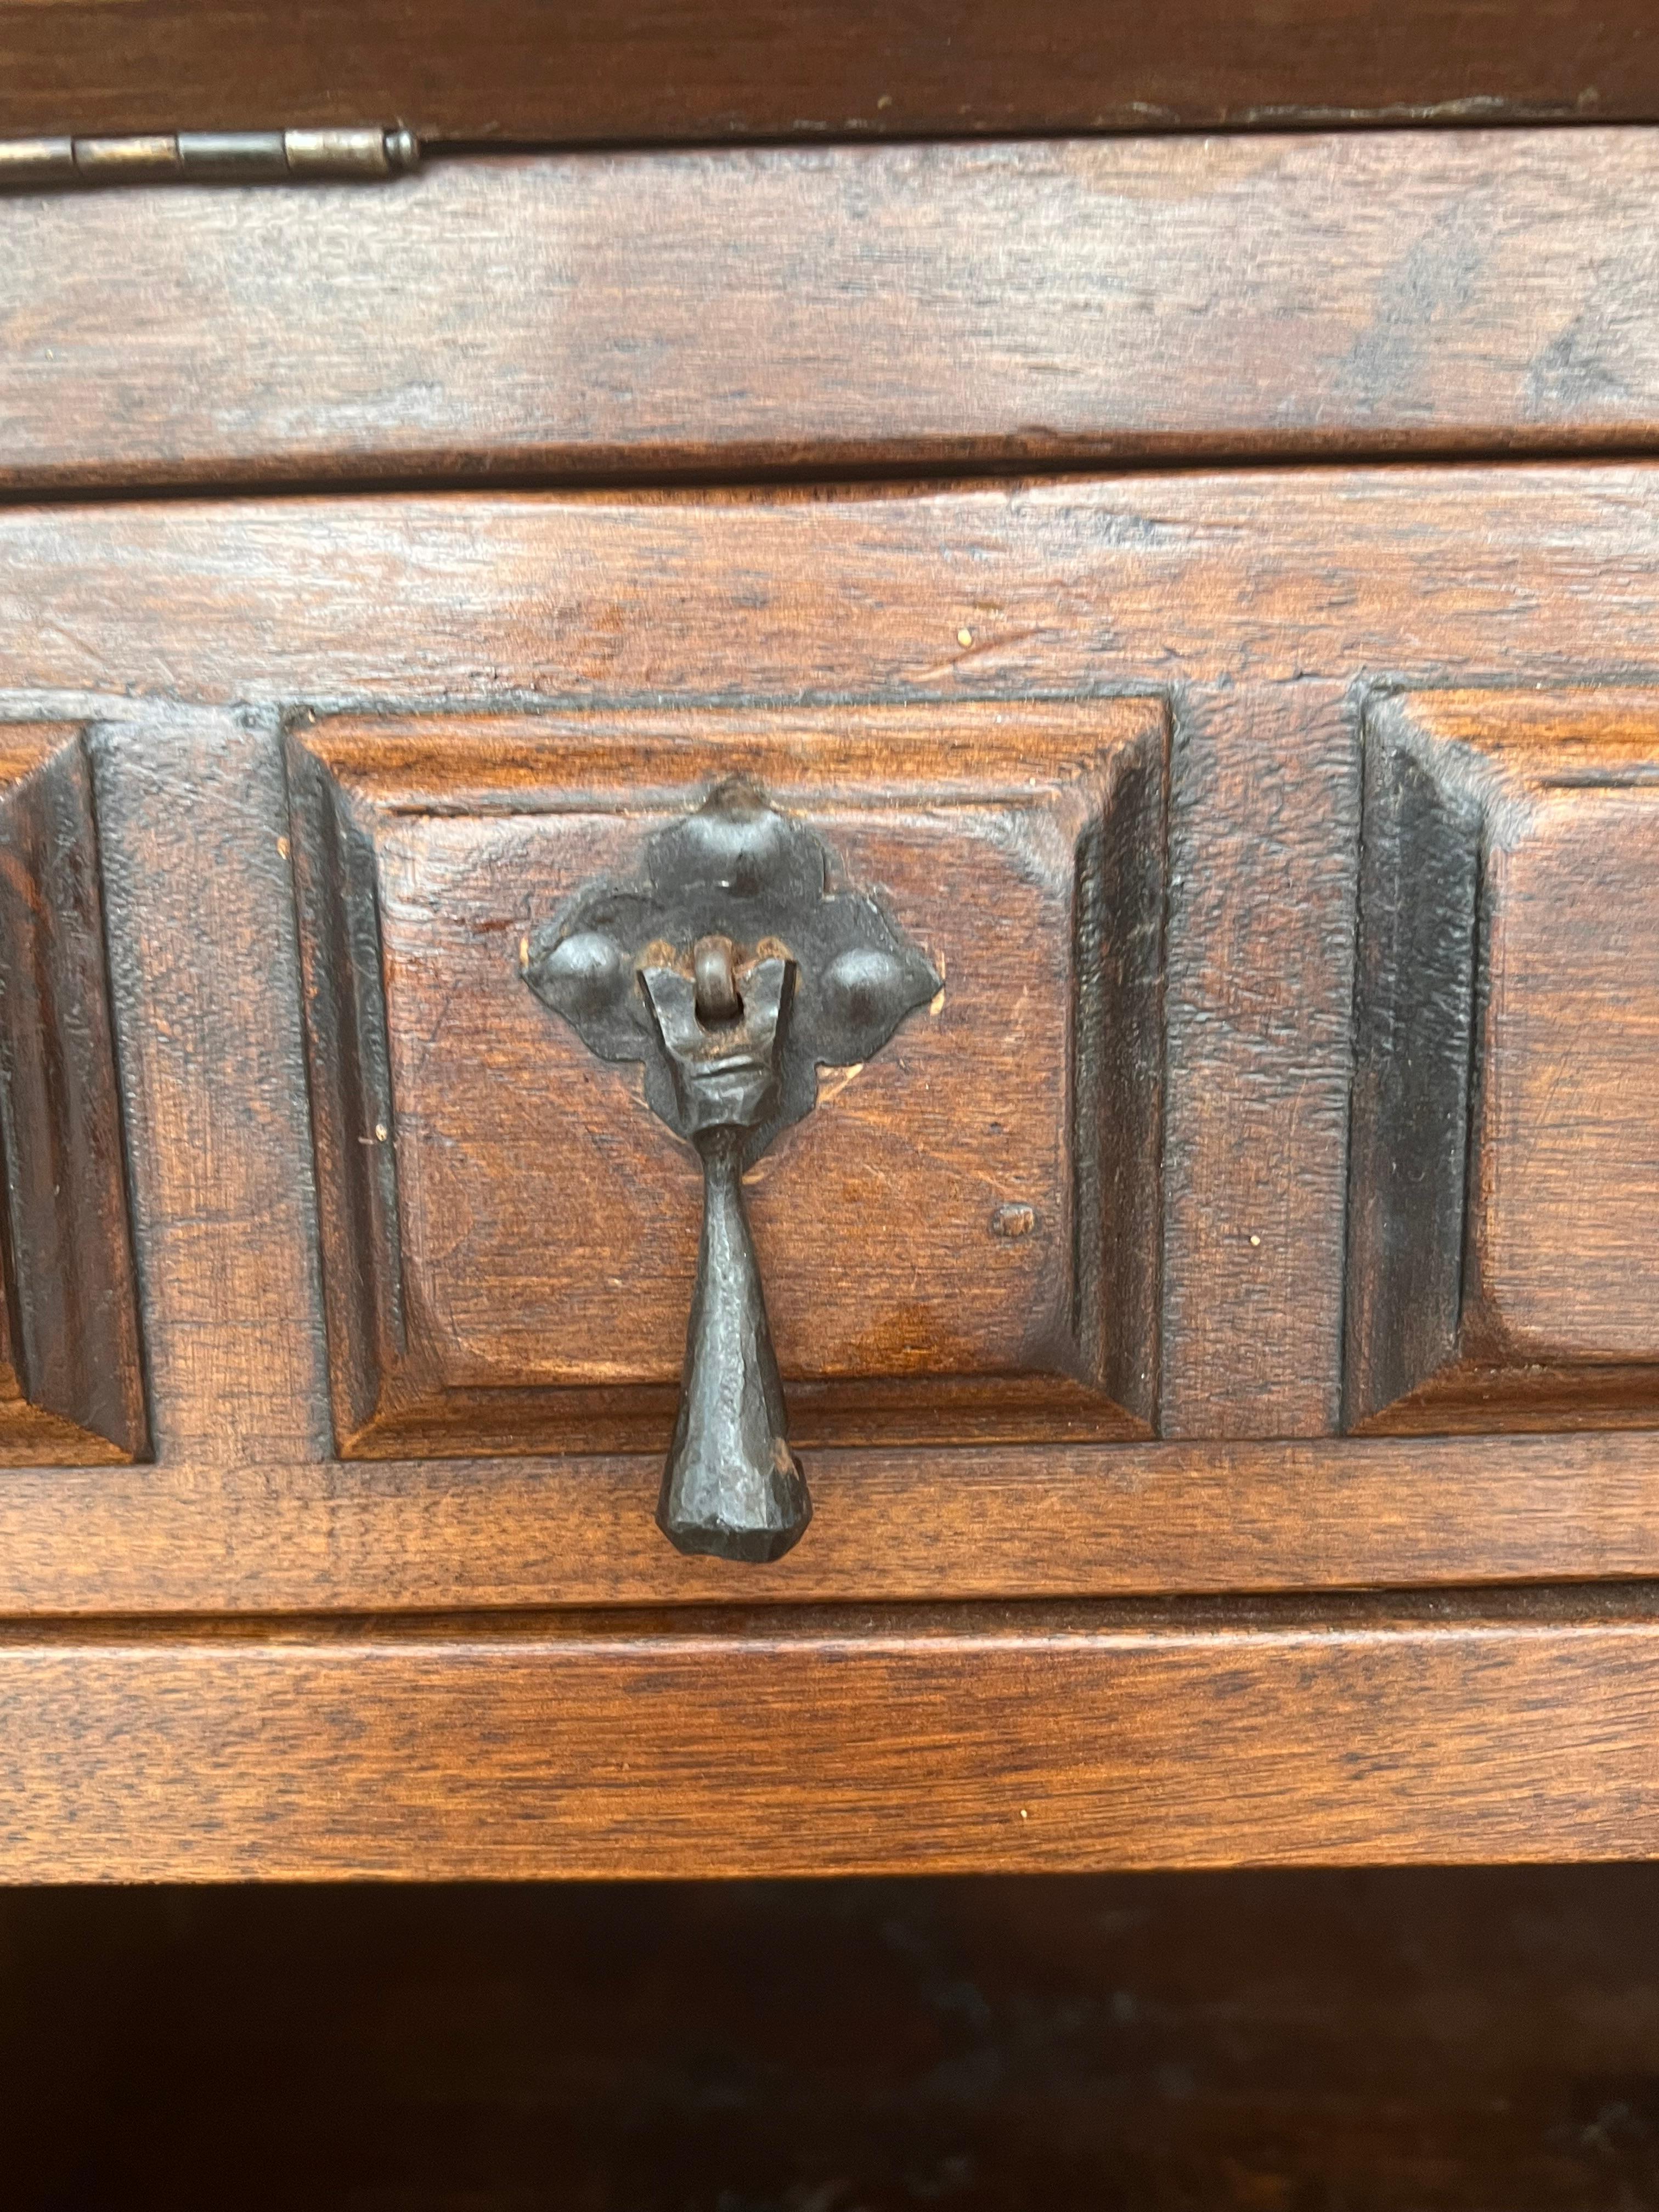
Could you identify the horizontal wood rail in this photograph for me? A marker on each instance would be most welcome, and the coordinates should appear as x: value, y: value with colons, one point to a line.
x: 1009, y: 1739
x: 1055, y: 1521
x: 854, y: 309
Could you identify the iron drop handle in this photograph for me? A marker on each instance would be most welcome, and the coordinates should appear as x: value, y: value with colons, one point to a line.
x: 732, y: 1483
x: 734, y: 970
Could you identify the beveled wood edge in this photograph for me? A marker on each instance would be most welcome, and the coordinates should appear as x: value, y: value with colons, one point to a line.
x: 472, y: 760
x: 1357, y: 1733
x: 1055, y: 1521
x: 73, y: 1331
x: 1493, y: 743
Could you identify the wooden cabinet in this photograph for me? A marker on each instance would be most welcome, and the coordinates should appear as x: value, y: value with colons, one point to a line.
x: 1215, y: 1322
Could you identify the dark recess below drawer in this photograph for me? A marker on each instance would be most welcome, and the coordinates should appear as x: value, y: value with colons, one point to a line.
x: 1238, y: 2042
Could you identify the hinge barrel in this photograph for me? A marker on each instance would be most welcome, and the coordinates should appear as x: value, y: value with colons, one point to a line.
x: 232, y: 157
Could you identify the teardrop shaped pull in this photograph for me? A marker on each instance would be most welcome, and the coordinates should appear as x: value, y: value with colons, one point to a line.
x: 732, y: 1486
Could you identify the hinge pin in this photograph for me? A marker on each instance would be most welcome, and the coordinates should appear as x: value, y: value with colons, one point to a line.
x: 228, y: 157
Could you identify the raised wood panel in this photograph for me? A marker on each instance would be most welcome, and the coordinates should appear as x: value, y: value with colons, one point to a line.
x: 1272, y: 621
x: 875, y: 308
x: 1265, y: 593
x: 582, y: 72
x: 1505, y: 1165
x: 960, y: 1240
x: 1004, y: 1740
x: 71, y: 1377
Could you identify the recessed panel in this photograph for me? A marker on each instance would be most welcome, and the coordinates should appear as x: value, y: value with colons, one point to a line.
x: 958, y: 1240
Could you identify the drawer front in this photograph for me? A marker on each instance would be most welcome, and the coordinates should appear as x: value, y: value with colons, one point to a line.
x: 1284, y: 1088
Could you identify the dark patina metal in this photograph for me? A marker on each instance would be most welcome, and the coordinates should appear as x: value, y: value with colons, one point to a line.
x: 734, y: 967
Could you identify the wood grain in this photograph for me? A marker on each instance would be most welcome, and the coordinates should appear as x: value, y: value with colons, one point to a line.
x: 584, y: 72
x: 1058, y: 1521
x: 1414, y: 1017
x: 205, y: 983
x: 509, y: 1235
x: 735, y: 1746
x: 1542, y: 575
x: 878, y: 308
x: 1269, y: 611
x: 413, y: 1668
x: 1264, y: 825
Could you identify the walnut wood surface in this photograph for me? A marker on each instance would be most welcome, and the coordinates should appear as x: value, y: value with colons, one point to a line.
x: 196, y: 1536
x: 206, y: 984
x: 1264, y: 835
x: 584, y: 72
x: 741, y: 1744
x: 509, y: 1234
x: 885, y: 308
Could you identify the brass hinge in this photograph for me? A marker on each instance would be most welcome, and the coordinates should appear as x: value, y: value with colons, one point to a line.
x: 218, y: 157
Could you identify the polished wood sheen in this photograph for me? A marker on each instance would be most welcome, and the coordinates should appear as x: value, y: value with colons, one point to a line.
x: 870, y: 308
x: 196, y: 1536
x: 1268, y: 594
x: 584, y: 72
